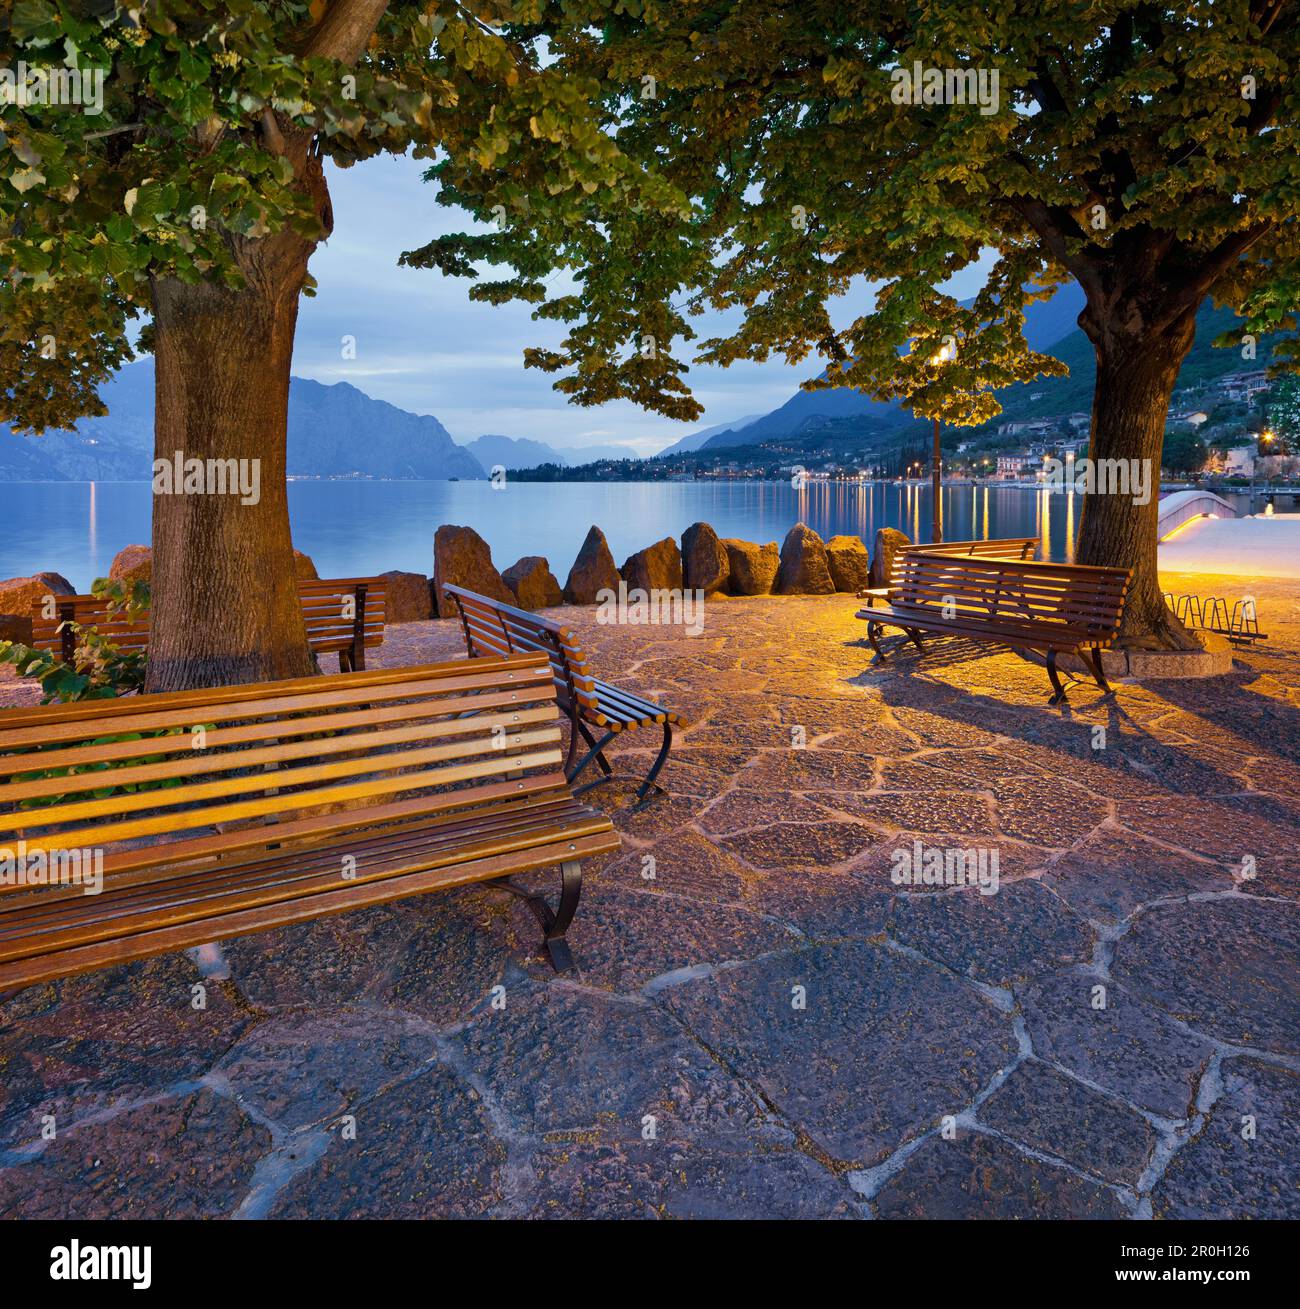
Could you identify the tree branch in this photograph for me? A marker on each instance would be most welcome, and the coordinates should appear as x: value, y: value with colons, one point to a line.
x: 345, y: 31
x: 1214, y: 265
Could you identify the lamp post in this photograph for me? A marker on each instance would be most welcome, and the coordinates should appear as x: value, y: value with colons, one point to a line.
x: 946, y: 352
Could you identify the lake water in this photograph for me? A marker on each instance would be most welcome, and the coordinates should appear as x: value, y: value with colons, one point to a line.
x: 361, y: 528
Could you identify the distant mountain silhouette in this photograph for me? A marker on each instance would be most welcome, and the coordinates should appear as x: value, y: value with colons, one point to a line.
x: 334, y: 431
x: 520, y: 452
x: 696, y: 439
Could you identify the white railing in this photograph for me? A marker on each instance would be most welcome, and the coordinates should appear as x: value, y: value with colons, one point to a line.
x: 1183, y: 506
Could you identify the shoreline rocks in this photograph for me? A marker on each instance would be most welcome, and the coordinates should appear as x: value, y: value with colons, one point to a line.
x: 408, y: 597
x: 703, y: 562
x: 533, y: 584
x: 21, y: 599
x: 706, y: 564
x: 656, y: 568
x: 804, y: 569
x: 889, y: 541
x: 593, y: 571
x: 849, y: 564
x: 461, y: 557
x: 751, y: 568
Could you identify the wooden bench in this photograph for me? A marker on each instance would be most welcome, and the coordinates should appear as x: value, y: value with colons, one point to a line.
x: 493, y: 628
x: 1007, y: 547
x: 280, y: 802
x: 344, y: 615
x: 1051, y: 608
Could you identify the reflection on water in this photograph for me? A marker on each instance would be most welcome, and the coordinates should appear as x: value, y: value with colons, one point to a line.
x: 352, y: 528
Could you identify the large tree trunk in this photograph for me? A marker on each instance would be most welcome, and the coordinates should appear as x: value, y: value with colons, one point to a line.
x: 225, y: 603
x: 1137, y: 368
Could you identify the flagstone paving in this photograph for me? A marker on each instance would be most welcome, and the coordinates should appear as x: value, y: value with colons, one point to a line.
x: 765, y: 1022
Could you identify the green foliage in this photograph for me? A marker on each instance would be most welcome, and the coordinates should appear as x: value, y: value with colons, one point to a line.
x: 99, y: 670
x: 103, y: 766
x: 1127, y: 151
x: 1184, y: 452
x: 1284, y: 416
x: 212, y: 120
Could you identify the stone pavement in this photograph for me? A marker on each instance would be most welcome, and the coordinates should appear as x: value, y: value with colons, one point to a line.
x: 765, y: 1023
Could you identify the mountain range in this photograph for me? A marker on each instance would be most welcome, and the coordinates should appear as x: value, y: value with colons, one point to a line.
x: 334, y: 431
x: 338, y: 431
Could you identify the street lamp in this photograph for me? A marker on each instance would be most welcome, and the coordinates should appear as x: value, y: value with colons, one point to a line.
x: 946, y: 353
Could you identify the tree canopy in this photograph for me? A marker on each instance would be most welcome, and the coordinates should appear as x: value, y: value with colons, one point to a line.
x: 198, y: 145
x: 1147, y: 150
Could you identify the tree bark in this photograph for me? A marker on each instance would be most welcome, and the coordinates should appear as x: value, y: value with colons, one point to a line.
x: 225, y: 605
x: 1137, y: 367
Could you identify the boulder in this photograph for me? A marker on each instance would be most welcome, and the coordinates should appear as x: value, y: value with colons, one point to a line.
x: 704, y: 559
x: 593, y: 571
x: 751, y: 569
x: 408, y: 597
x: 533, y: 583
x: 134, y: 563
x: 889, y: 541
x: 656, y: 568
x: 462, y: 557
x: 847, y: 559
x: 22, y: 598
x: 804, y: 568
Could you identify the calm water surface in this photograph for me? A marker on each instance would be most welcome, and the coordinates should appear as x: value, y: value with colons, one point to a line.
x: 359, y: 528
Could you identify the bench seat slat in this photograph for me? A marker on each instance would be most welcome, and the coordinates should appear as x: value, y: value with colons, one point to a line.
x: 27, y: 930
x: 132, y: 889
x: 305, y: 908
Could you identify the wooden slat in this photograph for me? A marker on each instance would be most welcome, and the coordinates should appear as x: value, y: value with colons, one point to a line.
x: 28, y: 972
x: 53, y: 723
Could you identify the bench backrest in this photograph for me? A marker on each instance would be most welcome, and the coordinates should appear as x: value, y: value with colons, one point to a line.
x: 494, y: 628
x: 272, y: 761
x: 332, y: 622
x: 1007, y: 547
x: 1084, y: 602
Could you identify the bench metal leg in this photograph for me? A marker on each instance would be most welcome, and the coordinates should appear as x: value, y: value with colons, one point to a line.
x: 597, y: 752
x: 658, y: 764
x: 1093, y: 659
x: 605, y: 766
x: 873, y: 635
x: 555, y: 922
x: 1059, y: 697
x: 915, y: 637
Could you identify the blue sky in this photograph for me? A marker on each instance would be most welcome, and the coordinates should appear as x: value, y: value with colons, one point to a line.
x: 423, y: 345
